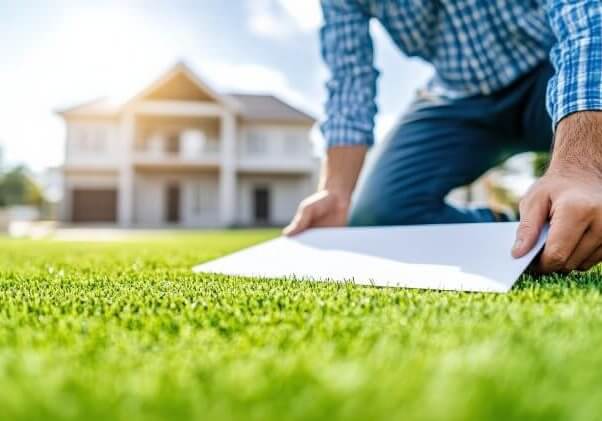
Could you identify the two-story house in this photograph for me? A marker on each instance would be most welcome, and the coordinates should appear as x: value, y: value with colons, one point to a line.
x: 181, y: 153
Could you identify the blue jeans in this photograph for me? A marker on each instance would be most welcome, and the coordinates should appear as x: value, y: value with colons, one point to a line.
x: 442, y: 144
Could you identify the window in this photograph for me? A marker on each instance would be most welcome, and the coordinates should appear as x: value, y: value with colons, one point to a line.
x: 257, y: 143
x: 90, y: 140
x: 99, y: 140
x: 80, y: 139
x: 212, y: 145
x: 293, y: 143
x: 203, y: 197
x: 153, y: 144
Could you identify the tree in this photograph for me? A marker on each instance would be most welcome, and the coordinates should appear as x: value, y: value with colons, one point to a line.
x: 17, y: 188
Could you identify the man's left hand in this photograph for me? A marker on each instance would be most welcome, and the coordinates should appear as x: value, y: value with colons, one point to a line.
x: 569, y: 196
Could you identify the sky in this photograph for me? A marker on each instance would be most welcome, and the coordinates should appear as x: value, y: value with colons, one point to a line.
x: 60, y: 53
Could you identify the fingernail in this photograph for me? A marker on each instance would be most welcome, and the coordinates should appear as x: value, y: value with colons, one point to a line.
x: 517, y: 244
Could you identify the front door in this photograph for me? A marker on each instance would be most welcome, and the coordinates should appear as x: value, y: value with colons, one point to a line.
x: 261, y: 205
x: 173, y: 204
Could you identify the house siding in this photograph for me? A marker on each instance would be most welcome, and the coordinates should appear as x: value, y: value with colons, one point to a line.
x: 214, y: 181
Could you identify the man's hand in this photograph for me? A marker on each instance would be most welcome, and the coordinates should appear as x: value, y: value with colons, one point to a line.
x: 569, y: 195
x: 321, y: 209
x: 329, y: 206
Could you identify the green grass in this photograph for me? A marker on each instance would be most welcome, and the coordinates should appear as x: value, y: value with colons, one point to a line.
x: 125, y: 331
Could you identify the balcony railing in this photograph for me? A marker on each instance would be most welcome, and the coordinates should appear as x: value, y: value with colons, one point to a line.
x: 163, y: 153
x: 268, y: 163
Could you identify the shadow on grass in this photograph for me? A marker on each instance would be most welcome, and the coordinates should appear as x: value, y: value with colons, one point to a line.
x: 590, y: 280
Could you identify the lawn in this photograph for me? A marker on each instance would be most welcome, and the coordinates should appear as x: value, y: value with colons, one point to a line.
x: 125, y: 331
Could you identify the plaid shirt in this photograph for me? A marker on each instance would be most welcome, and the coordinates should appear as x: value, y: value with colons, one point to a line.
x: 475, y: 46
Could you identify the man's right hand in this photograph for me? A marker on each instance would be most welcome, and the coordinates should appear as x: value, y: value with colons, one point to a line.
x: 330, y: 205
x: 321, y: 209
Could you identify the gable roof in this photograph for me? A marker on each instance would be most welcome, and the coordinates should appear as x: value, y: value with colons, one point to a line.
x: 181, y: 70
x: 270, y: 108
x: 182, y: 79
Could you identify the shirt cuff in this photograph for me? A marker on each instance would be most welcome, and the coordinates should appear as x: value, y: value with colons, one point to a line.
x: 577, y: 85
x: 337, y: 133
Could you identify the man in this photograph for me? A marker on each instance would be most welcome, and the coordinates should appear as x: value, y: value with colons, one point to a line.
x: 487, y: 101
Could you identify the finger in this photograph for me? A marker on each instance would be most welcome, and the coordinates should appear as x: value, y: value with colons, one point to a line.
x: 300, y: 222
x: 589, y: 243
x: 567, y: 227
x: 593, y: 260
x: 297, y: 225
x: 534, y: 211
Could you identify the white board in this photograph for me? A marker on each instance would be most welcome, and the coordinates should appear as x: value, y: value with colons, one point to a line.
x: 463, y: 257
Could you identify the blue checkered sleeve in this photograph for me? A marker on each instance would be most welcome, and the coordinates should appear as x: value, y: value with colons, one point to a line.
x: 348, y: 52
x: 577, y: 57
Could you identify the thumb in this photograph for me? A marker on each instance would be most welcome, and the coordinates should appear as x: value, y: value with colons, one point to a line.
x: 534, y: 211
x: 300, y: 222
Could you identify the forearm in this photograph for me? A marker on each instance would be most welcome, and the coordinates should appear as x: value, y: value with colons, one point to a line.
x: 578, y: 143
x: 341, y: 169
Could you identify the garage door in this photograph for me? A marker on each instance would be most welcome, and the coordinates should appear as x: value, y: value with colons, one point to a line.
x: 94, y: 205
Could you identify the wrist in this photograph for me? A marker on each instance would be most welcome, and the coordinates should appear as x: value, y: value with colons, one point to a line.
x: 341, y: 169
x: 341, y: 201
x: 578, y: 143
x: 337, y: 187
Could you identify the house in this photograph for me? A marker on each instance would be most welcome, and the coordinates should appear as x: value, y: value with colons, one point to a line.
x: 181, y: 153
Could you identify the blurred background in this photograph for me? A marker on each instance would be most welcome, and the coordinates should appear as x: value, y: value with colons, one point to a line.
x: 178, y: 113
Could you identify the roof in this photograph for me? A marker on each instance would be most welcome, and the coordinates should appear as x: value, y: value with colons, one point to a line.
x: 98, y: 107
x: 269, y: 107
x: 192, y: 82
x: 249, y: 106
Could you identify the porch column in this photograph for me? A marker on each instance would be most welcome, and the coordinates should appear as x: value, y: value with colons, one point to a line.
x: 125, y: 195
x: 227, y: 176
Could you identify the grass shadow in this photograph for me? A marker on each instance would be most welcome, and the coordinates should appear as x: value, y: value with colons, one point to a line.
x: 589, y: 280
